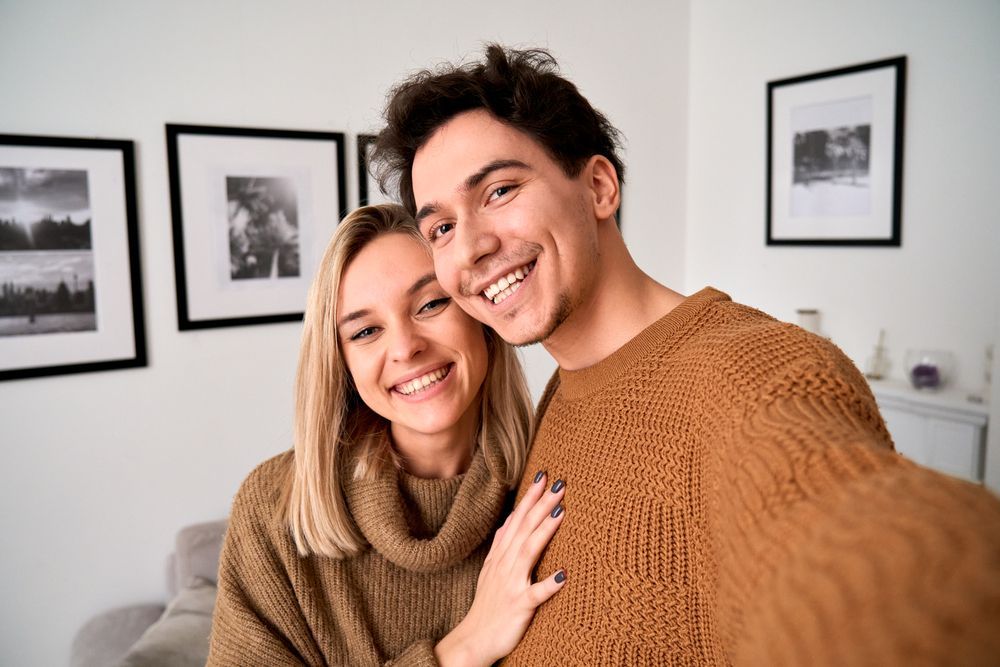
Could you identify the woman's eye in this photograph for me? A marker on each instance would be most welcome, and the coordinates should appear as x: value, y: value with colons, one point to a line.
x: 439, y: 230
x: 436, y: 304
x: 364, y: 333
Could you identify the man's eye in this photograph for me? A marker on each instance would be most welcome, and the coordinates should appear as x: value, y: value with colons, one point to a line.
x: 439, y: 230
x: 501, y: 191
x: 364, y: 333
x: 436, y: 304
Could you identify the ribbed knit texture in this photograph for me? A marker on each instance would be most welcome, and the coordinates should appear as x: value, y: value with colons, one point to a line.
x: 388, y: 605
x: 733, y: 497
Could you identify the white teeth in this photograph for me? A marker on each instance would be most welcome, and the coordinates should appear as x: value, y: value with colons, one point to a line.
x: 506, y: 285
x: 422, y: 382
x: 506, y: 293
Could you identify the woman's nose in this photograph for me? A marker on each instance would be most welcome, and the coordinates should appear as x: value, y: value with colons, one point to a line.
x: 406, y: 342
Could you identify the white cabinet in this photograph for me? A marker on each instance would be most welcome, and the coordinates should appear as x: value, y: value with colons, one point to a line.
x: 941, y: 430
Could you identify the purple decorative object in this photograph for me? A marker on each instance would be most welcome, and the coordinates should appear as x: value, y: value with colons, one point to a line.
x: 925, y: 376
x: 929, y: 369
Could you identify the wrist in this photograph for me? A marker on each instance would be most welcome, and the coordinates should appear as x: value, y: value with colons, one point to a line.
x: 454, y: 649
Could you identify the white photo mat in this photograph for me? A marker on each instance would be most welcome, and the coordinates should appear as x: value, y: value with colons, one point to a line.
x: 117, y: 341
x: 869, y: 95
x: 202, y: 160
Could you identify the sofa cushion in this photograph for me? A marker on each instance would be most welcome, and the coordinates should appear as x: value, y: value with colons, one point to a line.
x: 196, y: 554
x: 105, y: 638
x: 180, y: 637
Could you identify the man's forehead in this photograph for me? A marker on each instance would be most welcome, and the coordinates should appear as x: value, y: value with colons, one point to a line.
x: 463, y: 147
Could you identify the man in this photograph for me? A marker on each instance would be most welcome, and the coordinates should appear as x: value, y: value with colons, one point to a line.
x: 732, y: 493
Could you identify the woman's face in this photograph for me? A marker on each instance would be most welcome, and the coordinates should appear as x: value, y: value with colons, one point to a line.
x: 416, y: 358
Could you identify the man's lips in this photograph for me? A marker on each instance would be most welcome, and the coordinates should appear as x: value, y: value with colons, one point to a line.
x: 507, y: 284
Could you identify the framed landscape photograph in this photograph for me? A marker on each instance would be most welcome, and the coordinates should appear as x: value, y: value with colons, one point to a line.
x: 70, y: 285
x: 835, y: 156
x: 369, y: 191
x: 253, y: 210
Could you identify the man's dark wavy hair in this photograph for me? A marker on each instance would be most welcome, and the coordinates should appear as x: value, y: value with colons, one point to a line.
x: 520, y: 88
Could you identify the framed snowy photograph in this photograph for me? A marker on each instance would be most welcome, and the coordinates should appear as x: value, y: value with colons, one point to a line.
x: 70, y: 285
x: 253, y: 210
x: 835, y: 156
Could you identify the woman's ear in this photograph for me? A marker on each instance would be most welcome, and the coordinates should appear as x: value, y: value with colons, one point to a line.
x: 603, y: 180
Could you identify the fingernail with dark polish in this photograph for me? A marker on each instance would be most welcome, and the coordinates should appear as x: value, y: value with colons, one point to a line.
x: 538, y: 476
x: 560, y: 576
x: 557, y: 511
x: 557, y: 487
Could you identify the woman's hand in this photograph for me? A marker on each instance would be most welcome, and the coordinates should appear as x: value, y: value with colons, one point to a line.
x: 506, y: 599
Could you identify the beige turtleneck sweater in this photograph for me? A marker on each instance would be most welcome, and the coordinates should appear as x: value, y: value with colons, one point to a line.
x: 388, y: 605
x: 733, y: 497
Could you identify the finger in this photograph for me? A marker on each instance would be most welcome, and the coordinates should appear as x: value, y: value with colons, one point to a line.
x: 537, y: 514
x: 532, y: 547
x: 541, y: 592
x: 531, y: 496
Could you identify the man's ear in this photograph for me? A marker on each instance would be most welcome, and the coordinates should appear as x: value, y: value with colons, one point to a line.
x: 602, y: 177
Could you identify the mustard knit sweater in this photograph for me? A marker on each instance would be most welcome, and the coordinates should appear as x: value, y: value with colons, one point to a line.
x: 732, y: 496
x: 388, y: 605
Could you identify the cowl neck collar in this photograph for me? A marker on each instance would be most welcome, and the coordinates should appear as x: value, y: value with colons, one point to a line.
x: 378, y: 506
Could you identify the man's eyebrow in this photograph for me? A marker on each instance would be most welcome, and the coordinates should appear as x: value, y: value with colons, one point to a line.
x: 418, y: 284
x: 426, y: 210
x: 477, y: 178
x: 471, y: 182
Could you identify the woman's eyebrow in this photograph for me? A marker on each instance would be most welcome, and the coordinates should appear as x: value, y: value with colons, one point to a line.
x: 421, y: 282
x: 356, y: 315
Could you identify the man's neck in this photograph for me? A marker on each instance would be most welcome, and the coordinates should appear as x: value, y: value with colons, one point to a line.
x: 623, y: 303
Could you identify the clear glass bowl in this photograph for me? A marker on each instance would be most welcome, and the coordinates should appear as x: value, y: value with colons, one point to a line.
x: 929, y: 369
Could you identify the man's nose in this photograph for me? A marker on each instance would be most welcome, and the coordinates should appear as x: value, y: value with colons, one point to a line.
x: 477, y: 240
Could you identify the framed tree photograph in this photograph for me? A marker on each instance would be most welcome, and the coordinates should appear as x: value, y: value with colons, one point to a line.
x: 369, y: 191
x: 70, y: 284
x: 835, y: 156
x: 253, y: 210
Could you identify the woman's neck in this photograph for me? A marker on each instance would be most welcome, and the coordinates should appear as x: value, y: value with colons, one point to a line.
x: 437, y: 455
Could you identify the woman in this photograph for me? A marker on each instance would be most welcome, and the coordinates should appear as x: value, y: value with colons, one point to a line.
x: 369, y: 543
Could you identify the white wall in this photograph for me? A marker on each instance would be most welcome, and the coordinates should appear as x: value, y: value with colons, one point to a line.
x: 101, y: 469
x: 940, y: 289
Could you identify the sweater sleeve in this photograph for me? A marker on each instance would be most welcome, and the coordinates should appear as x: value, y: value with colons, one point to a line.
x: 257, y: 619
x: 834, y: 549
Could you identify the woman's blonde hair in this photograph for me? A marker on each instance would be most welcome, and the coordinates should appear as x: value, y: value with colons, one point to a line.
x: 334, y: 429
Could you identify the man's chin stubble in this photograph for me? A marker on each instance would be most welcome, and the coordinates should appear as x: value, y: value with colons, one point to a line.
x: 559, y: 315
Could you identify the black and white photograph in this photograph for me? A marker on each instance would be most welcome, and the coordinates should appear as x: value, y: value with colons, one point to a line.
x: 263, y: 225
x: 46, y: 257
x: 66, y: 216
x: 835, y: 156
x: 830, y: 158
x: 252, y: 208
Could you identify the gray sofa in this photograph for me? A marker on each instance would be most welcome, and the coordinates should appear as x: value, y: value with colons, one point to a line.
x: 174, y: 634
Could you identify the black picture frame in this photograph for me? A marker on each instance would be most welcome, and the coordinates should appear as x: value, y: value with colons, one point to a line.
x: 252, y: 211
x: 835, y: 156
x: 369, y: 191
x: 68, y: 212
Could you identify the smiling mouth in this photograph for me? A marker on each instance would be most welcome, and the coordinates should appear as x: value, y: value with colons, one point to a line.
x: 507, y: 285
x: 419, y: 384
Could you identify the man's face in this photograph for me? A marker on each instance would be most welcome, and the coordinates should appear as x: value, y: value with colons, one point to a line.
x: 514, y: 238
